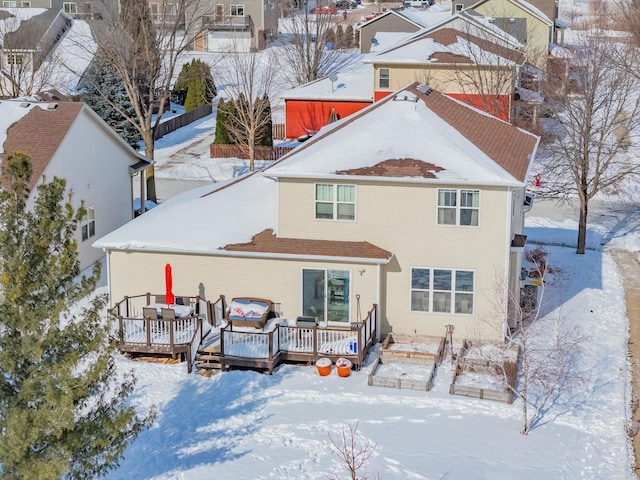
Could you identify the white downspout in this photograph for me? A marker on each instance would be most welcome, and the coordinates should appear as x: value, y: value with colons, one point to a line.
x: 378, y: 286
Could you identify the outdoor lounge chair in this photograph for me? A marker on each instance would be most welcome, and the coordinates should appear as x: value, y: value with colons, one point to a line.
x: 250, y: 312
x: 168, y: 314
x: 150, y: 312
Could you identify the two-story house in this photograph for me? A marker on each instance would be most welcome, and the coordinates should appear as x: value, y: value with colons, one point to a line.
x: 476, y: 70
x: 233, y: 26
x: 521, y: 19
x: 27, y: 36
x: 69, y: 140
x: 415, y: 204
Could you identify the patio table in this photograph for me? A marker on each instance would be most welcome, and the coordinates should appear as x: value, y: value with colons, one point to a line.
x: 181, y: 310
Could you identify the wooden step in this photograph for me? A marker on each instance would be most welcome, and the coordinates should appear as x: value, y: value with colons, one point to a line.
x: 208, y: 366
x: 208, y: 358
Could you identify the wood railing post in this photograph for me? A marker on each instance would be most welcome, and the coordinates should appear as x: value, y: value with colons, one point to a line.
x: 315, y: 343
x: 120, y: 330
x: 147, y: 324
x: 126, y: 303
x: 172, y: 324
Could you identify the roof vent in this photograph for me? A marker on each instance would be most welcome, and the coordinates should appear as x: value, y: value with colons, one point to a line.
x: 405, y: 97
x: 25, y: 104
x: 426, y: 89
x: 52, y: 106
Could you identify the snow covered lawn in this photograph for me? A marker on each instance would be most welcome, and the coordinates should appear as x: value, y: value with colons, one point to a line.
x: 246, y: 425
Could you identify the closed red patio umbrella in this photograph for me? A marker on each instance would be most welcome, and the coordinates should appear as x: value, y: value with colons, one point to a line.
x: 169, y: 298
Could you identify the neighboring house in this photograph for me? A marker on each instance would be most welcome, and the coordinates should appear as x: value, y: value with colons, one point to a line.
x: 27, y: 37
x: 476, y: 70
x: 309, y: 107
x: 70, y: 141
x: 402, y: 20
x: 415, y: 204
x: 521, y: 19
x: 237, y: 26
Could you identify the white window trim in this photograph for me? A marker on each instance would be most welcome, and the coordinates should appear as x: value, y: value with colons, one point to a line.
x: 335, y: 202
x: 86, y: 222
x: 236, y: 6
x: 71, y: 11
x: 388, y: 79
x: 457, y: 207
x: 453, y: 291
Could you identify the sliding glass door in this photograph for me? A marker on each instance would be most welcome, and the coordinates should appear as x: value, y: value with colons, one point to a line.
x: 325, y: 294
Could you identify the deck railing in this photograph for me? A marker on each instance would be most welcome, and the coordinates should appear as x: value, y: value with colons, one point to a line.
x: 298, y: 343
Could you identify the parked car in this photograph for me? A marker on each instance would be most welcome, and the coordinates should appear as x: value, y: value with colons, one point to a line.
x: 366, y: 18
x: 345, y: 4
x: 326, y: 9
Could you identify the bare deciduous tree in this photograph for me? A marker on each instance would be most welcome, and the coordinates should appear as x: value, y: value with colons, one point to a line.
x: 548, y: 350
x: 249, y: 79
x: 596, y: 118
x: 352, y: 452
x: 143, y: 47
x: 305, y: 54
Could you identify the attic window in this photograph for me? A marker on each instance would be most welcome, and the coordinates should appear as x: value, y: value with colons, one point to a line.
x: 52, y: 106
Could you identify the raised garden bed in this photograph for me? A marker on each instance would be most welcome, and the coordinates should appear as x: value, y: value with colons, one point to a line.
x: 411, y: 373
x: 418, y: 347
x: 485, y: 371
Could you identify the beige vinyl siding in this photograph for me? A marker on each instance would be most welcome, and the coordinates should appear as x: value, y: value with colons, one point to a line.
x: 388, y: 23
x: 211, y: 276
x: 537, y: 44
x: 445, y: 78
x: 401, y: 218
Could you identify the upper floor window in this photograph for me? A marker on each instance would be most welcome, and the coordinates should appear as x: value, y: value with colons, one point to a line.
x: 458, y: 207
x: 155, y: 12
x: 383, y: 82
x: 335, y: 202
x: 237, y: 10
x: 442, y: 290
x: 459, y: 7
x: 88, y: 224
x: 9, y: 4
x: 25, y: 4
x: 171, y: 9
x: 70, y: 8
x: 15, y: 59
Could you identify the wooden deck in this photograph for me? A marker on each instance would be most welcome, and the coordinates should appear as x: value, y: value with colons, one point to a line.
x: 259, y: 350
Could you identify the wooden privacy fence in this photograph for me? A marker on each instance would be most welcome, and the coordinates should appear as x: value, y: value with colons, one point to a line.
x: 178, y: 121
x: 277, y: 131
x: 239, y: 151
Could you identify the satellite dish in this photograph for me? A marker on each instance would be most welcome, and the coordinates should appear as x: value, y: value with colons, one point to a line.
x: 334, y: 78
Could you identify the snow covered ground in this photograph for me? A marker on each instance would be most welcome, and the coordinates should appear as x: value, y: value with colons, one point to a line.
x: 246, y: 425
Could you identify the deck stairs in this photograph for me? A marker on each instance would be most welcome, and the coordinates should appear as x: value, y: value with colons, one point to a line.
x: 208, y: 357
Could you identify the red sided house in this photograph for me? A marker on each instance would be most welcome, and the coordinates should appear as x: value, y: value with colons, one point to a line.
x: 309, y: 107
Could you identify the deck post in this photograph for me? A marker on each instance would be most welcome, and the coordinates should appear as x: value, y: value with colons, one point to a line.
x: 120, y: 330
x: 315, y: 343
x: 189, y: 366
x: 126, y: 303
x: 148, y: 297
x: 147, y: 324
x: 271, y: 352
x: 172, y: 345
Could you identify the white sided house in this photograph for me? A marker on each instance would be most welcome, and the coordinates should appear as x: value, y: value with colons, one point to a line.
x: 415, y: 204
x: 69, y: 140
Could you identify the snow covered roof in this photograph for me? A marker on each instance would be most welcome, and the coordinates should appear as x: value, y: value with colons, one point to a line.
x: 457, y: 143
x: 424, y: 17
x: 37, y: 128
x: 11, y: 18
x: 235, y: 211
x: 384, y: 40
x: 448, y: 45
x: 355, y: 85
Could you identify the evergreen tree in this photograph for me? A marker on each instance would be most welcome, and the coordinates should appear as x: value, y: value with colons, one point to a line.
x: 63, y: 410
x: 348, y: 36
x: 196, y: 94
x: 107, y: 97
x: 330, y: 36
x: 222, y: 135
x: 266, y: 139
x: 339, y: 36
x: 356, y: 38
x: 194, y: 75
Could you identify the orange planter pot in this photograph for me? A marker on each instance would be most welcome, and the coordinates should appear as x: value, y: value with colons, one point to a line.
x: 343, y: 367
x: 324, y: 366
